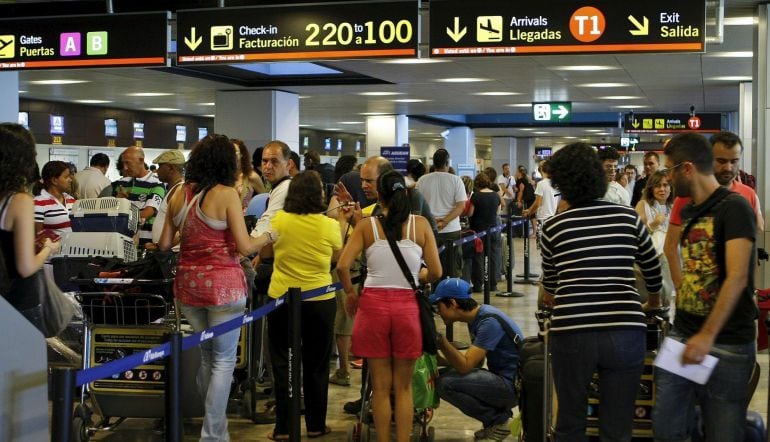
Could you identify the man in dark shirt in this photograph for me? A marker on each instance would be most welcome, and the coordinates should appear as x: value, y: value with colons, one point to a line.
x: 715, y: 309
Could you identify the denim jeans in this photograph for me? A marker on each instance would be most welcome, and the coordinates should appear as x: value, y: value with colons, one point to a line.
x: 217, y: 363
x: 618, y: 357
x: 723, y: 400
x: 479, y: 394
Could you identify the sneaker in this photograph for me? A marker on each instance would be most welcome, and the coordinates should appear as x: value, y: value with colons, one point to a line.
x: 340, y: 378
x: 494, y: 432
x: 352, y: 407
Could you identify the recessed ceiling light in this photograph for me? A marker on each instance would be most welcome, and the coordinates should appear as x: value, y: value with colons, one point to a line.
x: 630, y: 106
x: 208, y: 116
x: 350, y: 122
x: 149, y: 94
x: 427, y: 133
x: 305, y: 125
x: 301, y: 97
x: 23, y: 92
x: 378, y: 94
x: 207, y: 104
x: 520, y: 105
x: 603, y: 85
x: 731, y: 78
x: 527, y: 129
x: 740, y: 21
x: 603, y: 133
x: 334, y: 128
x: 161, y: 109
x: 374, y: 114
x: 461, y: 80
x: 730, y: 54
x: 570, y: 138
x: 584, y: 68
x: 54, y: 82
x: 496, y: 94
x: 620, y: 97
x: 409, y: 100
x: 593, y: 130
x: 540, y: 133
x: 413, y: 61
x: 92, y: 101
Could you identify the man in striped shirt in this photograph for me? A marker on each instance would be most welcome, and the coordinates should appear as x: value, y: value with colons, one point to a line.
x: 142, y: 188
x: 589, y: 251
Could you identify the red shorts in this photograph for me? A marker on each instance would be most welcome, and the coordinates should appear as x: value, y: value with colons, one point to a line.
x: 387, y: 324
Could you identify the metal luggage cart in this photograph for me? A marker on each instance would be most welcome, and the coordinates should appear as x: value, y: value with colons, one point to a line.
x: 118, y: 323
x: 251, y: 373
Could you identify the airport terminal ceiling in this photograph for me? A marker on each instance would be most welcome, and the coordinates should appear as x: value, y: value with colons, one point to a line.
x: 594, y: 84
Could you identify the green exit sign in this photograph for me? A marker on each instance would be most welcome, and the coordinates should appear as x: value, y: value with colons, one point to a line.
x: 552, y: 112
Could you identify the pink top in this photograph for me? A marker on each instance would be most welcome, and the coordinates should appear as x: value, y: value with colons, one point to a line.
x: 208, y: 270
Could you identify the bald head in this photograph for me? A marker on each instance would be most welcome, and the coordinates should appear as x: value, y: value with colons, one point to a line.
x: 133, y: 162
x: 371, y: 170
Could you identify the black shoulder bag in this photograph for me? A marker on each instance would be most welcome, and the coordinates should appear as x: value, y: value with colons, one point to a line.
x: 426, y: 313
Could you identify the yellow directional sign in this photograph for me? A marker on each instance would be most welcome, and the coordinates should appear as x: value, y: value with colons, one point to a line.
x: 191, y: 41
x: 456, y: 34
x: 7, y: 46
x: 641, y: 28
x: 489, y: 28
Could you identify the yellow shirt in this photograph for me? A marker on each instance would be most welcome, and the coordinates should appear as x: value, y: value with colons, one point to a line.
x: 368, y: 210
x: 303, y: 252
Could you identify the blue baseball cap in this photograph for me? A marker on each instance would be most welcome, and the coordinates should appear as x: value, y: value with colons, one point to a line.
x: 451, y: 288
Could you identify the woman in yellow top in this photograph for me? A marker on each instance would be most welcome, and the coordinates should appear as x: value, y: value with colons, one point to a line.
x: 303, y: 258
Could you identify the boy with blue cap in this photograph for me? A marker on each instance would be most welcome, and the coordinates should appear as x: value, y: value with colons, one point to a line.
x: 484, y: 394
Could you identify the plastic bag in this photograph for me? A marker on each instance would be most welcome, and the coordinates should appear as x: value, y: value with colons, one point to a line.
x: 424, y: 378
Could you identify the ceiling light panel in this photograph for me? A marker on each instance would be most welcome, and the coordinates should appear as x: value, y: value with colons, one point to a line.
x: 462, y: 80
x: 149, y: 94
x: 57, y: 82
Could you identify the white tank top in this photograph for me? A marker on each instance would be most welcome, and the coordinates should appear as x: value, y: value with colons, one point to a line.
x: 383, y: 269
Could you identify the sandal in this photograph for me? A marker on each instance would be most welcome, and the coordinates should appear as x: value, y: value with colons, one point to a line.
x: 315, y: 434
x: 273, y: 436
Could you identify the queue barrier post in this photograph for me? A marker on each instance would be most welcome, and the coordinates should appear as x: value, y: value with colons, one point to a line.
x: 446, y: 260
x: 63, y: 396
x: 487, y: 282
x: 173, y: 404
x: 509, y: 293
x: 526, y: 277
x: 295, y: 352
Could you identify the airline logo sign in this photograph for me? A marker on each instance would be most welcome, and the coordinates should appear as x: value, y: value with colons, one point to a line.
x: 279, y: 33
x: 84, y: 41
x: 501, y: 27
x: 672, y: 123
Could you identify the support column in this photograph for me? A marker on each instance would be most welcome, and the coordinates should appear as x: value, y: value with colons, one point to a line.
x: 760, y: 121
x: 744, y: 126
x: 386, y: 130
x: 9, y: 97
x: 525, y: 152
x: 503, y: 151
x: 257, y: 117
x: 461, y: 145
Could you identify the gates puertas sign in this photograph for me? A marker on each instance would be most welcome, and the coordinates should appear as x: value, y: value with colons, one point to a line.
x: 85, y: 41
x: 671, y: 122
x: 298, y: 32
x: 502, y: 27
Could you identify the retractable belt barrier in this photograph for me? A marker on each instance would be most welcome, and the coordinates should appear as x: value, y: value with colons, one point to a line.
x: 63, y: 378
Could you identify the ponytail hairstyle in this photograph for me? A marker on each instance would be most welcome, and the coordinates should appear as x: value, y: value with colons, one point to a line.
x: 393, y: 195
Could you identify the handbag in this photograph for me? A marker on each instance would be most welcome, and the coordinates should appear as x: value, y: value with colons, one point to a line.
x: 53, y: 310
x: 426, y: 312
x: 424, y: 377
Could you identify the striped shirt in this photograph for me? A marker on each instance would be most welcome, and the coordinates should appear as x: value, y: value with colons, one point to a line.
x: 588, y: 264
x: 52, y: 213
x: 143, y: 192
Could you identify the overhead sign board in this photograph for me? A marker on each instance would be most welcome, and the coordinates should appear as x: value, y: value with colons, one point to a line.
x: 501, y: 27
x: 398, y: 157
x: 671, y: 122
x: 298, y: 32
x: 552, y: 112
x: 85, y: 41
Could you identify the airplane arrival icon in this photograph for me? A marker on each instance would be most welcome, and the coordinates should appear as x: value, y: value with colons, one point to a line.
x: 489, y: 28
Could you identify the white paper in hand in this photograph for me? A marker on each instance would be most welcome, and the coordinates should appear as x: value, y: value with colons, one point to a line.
x: 670, y: 359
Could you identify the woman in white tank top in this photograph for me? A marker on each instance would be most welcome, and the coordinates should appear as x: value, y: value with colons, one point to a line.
x: 387, y: 330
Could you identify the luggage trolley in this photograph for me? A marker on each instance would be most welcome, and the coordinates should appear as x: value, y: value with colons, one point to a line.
x: 117, y: 324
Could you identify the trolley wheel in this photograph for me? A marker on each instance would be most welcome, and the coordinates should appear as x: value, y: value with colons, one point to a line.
x: 359, y: 432
x: 81, y: 421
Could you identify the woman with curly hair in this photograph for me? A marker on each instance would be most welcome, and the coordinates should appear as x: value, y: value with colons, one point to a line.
x: 18, y: 171
x: 309, y: 241
x: 209, y: 283
x: 248, y: 183
x: 589, y: 251
x: 387, y: 328
x: 53, y: 204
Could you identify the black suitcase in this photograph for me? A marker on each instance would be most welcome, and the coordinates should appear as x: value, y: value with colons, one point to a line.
x: 532, y: 388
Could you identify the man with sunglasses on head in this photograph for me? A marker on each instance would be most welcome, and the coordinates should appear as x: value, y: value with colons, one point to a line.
x: 487, y: 395
x: 727, y: 149
x: 715, y: 309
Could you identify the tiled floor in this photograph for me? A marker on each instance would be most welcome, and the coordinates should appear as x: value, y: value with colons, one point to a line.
x: 449, y: 423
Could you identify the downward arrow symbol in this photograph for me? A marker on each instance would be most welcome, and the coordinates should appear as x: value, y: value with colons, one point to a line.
x: 456, y: 34
x: 192, y: 42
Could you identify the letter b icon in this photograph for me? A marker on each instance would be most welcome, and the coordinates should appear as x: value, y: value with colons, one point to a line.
x: 96, y: 43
